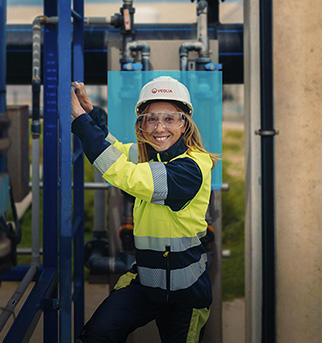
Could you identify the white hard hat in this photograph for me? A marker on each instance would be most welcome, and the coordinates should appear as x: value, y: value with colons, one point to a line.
x: 164, y: 88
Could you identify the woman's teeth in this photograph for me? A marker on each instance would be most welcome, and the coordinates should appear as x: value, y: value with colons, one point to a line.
x: 161, y: 139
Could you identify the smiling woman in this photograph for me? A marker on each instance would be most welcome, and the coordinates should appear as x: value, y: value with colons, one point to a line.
x: 162, y: 125
x: 168, y: 171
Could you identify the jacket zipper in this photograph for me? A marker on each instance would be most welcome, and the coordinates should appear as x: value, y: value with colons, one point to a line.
x: 166, y: 255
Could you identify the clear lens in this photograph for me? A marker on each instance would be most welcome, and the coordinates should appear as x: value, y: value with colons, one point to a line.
x: 148, y: 122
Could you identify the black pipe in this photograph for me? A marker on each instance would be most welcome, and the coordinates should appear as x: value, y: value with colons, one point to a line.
x: 98, y: 261
x: 96, y: 38
x: 267, y: 165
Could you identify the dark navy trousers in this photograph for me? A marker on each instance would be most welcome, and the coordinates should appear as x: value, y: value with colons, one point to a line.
x: 128, y: 308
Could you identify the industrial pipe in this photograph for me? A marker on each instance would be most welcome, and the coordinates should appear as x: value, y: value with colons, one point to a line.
x: 201, y: 45
x: 138, y: 46
x: 35, y: 130
x: 8, y: 310
x: 97, y: 38
x: 202, y: 26
x: 99, y: 264
x: 184, y: 51
x: 98, y: 261
x: 105, y: 185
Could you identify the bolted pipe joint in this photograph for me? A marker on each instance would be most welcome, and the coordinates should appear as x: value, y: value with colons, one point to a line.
x: 184, y: 50
x: 141, y: 46
x: 202, y: 7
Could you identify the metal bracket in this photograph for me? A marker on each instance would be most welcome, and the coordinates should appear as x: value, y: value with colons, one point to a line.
x: 261, y: 132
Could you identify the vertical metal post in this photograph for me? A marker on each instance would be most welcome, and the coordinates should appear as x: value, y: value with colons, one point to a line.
x: 213, y: 332
x: 50, y: 162
x: 3, y: 66
x: 78, y: 205
x: 65, y: 167
x: 267, y: 149
x: 253, y: 208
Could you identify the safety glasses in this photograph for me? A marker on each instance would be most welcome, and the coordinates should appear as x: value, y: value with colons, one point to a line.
x: 148, y: 122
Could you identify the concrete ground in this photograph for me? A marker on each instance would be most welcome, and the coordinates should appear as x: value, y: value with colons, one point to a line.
x: 233, y: 312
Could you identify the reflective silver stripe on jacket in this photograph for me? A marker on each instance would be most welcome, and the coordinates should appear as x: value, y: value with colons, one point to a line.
x: 133, y: 153
x: 179, y: 278
x: 185, y: 277
x: 105, y: 160
x: 110, y: 138
x: 159, y: 175
x: 152, y: 277
x: 160, y: 243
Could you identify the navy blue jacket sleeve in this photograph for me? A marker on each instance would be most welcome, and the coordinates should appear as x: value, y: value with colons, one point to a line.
x: 91, y: 136
x: 184, y: 180
x: 100, y: 118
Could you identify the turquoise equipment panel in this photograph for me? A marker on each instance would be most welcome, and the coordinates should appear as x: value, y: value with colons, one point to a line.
x: 205, y: 88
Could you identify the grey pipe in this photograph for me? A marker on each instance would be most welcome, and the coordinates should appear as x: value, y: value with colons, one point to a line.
x: 96, y: 21
x: 35, y: 257
x: 35, y: 128
x: 87, y: 20
x: 202, y: 26
x: 201, y: 45
x: 107, y: 264
x: 184, y: 51
x: 14, y: 300
x: 35, y: 207
x: 138, y: 46
x: 105, y: 185
x: 36, y: 71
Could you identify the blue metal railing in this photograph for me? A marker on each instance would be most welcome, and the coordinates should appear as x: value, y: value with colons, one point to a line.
x: 4, y: 182
x: 60, y: 229
x: 78, y: 203
x: 50, y: 164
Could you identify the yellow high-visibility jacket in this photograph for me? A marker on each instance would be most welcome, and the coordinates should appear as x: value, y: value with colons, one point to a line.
x: 172, y: 194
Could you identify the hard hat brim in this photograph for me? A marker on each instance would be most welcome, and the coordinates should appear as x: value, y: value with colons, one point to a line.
x: 184, y: 107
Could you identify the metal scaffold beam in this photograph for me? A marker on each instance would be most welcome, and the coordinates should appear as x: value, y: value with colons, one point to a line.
x: 56, y: 288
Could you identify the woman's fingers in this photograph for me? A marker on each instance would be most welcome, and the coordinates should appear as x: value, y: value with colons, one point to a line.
x: 82, y: 96
x: 76, y: 107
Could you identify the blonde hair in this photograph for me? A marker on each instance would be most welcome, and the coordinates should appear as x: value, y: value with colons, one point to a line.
x: 191, y: 138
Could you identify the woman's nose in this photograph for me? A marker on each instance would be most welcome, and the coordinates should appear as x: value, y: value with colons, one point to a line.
x: 159, y: 126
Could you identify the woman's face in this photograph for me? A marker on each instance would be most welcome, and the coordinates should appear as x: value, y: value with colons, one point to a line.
x: 163, y: 137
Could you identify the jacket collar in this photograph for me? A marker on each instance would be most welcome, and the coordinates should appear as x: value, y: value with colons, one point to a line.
x: 176, y: 149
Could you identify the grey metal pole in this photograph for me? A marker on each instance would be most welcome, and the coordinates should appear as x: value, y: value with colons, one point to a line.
x: 213, y: 331
x: 14, y: 300
x: 35, y: 210
x: 253, y: 208
x: 35, y: 130
x: 202, y: 26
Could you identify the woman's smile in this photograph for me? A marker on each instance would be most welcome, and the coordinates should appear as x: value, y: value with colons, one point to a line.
x: 162, y: 137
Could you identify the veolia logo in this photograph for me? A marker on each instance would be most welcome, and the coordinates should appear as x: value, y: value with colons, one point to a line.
x: 155, y: 90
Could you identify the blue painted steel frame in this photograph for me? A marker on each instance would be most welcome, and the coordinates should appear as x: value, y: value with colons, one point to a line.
x: 57, y: 187
x: 78, y: 177
x: 65, y: 167
x: 3, y: 19
x: 33, y: 306
x: 50, y: 164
